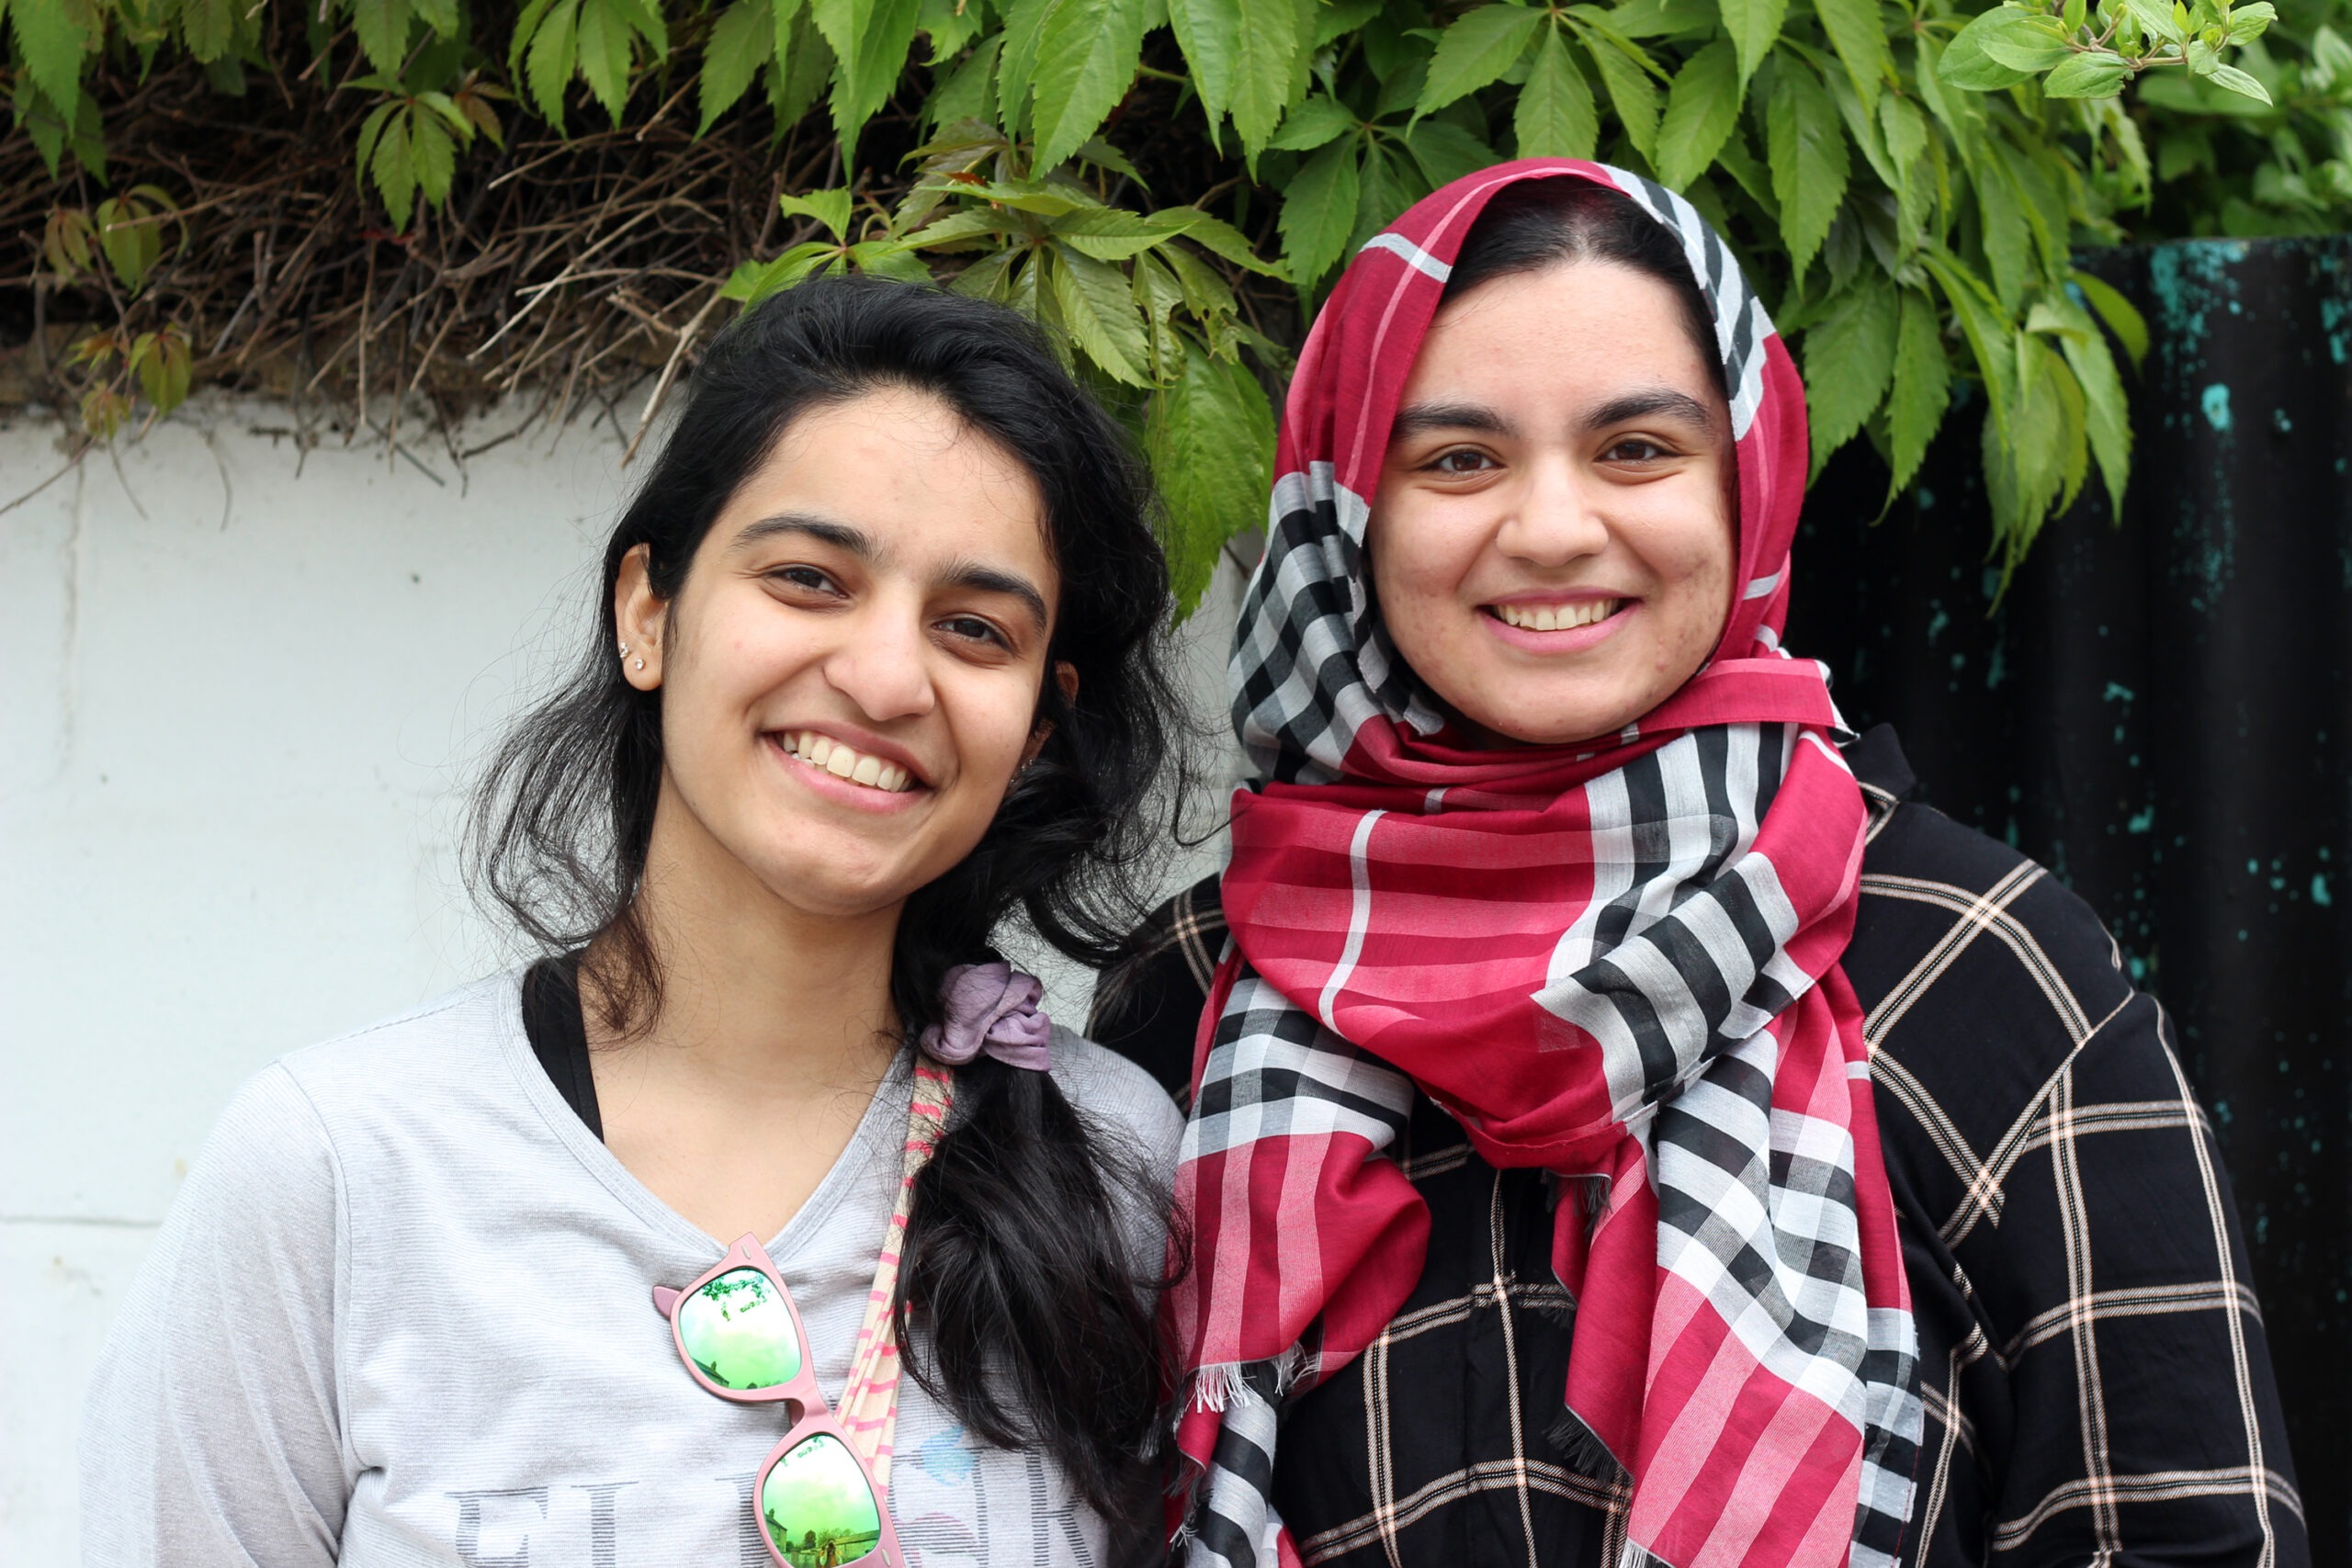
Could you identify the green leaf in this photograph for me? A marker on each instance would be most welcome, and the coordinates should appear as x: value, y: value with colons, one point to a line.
x: 451, y: 115
x: 2094, y: 75
x: 434, y: 155
x: 2231, y: 79
x: 1109, y: 233
x: 1847, y: 357
x: 441, y: 15
x: 970, y: 93
x: 888, y: 258
x: 1964, y: 63
x: 1217, y: 237
x: 2155, y: 19
x: 1806, y: 149
x: 1699, y: 113
x: 2123, y: 317
x: 1209, y: 31
x: 1753, y: 27
x: 1086, y: 55
x: 51, y: 46
x: 381, y: 26
x: 395, y: 172
x: 1383, y: 191
x: 1630, y: 92
x: 370, y: 130
x: 1922, y: 389
x: 1318, y: 213
x: 1857, y: 32
x: 604, y: 53
x: 1211, y: 439
x: 2020, y: 39
x: 207, y: 27
x: 1268, y: 46
x: 755, y: 281
x: 1985, y: 322
x: 1313, y: 123
x: 1244, y: 56
x: 2007, y: 240
x: 1445, y: 152
x: 1206, y: 293
x: 2106, y: 410
x: 2045, y: 205
x: 742, y: 40
x: 2248, y: 23
x: 1556, y: 116
x: 870, y: 40
x: 803, y: 67
x: 990, y: 277
x: 950, y: 25
x: 1477, y: 48
x: 829, y: 208
x: 554, y: 51
x: 1098, y: 310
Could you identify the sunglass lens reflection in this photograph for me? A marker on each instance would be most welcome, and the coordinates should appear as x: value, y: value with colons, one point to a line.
x: 818, y: 1508
x: 739, y: 1331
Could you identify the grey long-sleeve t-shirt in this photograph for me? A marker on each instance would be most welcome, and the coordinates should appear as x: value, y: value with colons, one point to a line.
x: 401, y: 1314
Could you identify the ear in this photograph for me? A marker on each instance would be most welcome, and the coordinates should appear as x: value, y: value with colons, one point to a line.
x: 640, y: 619
x: 1065, y: 677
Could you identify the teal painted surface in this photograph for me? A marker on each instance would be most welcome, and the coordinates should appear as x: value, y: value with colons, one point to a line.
x: 2161, y: 712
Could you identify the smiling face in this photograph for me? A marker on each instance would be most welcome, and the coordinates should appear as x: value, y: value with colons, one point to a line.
x: 850, y: 674
x: 1552, y: 542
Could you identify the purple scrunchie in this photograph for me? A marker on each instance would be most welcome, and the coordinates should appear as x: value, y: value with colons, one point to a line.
x: 991, y: 1008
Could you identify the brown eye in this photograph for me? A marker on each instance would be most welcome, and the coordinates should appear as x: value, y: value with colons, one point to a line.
x: 971, y: 629
x: 1636, y: 449
x: 1463, y: 462
x: 807, y: 577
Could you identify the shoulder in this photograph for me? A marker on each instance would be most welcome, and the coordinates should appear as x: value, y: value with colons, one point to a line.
x: 422, y: 1063
x: 1119, y: 1098
x: 1986, y: 986
x: 1960, y: 938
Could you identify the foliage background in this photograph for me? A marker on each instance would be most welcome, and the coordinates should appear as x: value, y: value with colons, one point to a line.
x: 398, y: 205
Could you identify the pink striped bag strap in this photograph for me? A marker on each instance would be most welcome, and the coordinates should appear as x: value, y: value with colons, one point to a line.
x: 869, y: 1407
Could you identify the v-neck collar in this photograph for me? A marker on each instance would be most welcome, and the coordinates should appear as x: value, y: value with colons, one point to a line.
x: 875, y: 1141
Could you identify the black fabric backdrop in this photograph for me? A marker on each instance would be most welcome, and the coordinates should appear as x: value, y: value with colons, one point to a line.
x: 2161, y: 712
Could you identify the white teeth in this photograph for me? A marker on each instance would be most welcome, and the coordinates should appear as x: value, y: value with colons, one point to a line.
x: 1558, y: 617
x: 843, y: 763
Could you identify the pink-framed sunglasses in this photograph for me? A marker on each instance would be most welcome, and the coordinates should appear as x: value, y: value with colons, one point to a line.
x: 739, y: 1334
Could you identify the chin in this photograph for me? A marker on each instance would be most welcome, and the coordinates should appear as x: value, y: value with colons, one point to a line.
x: 1569, y: 722
x: 834, y: 886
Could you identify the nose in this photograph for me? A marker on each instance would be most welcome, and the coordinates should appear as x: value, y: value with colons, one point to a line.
x: 1553, y: 519
x: 881, y: 661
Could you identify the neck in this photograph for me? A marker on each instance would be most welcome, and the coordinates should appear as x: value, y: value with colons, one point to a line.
x: 759, y: 1000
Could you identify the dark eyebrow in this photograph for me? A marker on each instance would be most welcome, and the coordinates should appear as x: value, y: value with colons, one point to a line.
x: 988, y: 580
x: 826, y: 530
x: 1420, y: 419
x: 1656, y: 400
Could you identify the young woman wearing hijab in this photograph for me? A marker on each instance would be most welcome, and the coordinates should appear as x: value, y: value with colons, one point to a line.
x: 1624, y: 1128
x: 876, y: 663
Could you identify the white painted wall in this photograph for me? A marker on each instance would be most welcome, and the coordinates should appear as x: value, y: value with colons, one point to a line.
x: 241, y: 690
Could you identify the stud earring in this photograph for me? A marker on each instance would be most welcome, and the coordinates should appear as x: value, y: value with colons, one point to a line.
x: 639, y: 663
x: 624, y: 650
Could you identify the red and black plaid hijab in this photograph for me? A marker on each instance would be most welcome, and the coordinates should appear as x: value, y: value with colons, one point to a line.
x: 1618, y: 965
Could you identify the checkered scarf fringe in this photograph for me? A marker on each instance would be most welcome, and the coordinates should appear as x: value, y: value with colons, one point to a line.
x: 1676, y: 1040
